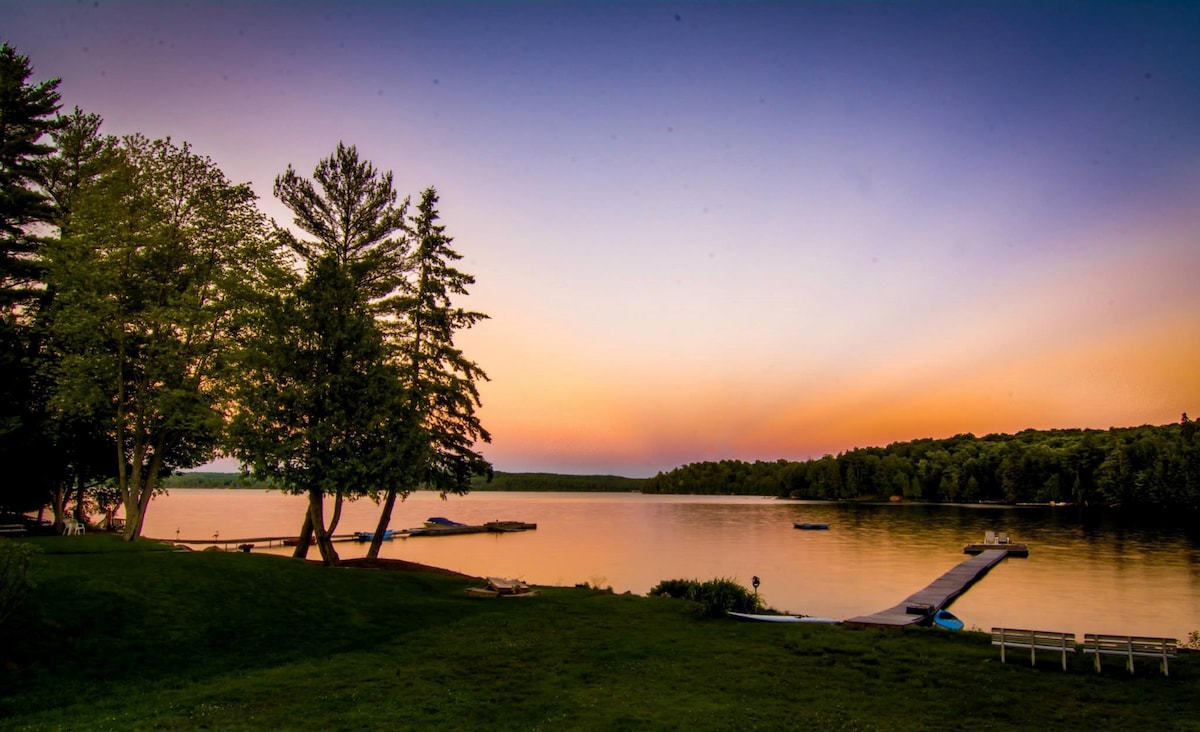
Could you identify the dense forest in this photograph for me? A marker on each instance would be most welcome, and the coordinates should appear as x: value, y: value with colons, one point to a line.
x: 1144, y: 466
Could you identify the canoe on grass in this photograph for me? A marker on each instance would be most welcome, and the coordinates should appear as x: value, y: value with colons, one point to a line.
x: 500, y: 587
x: 783, y: 618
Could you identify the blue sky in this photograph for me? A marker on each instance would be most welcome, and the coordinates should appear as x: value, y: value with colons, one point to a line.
x: 731, y: 230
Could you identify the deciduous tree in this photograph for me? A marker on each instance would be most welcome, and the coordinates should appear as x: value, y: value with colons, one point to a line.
x: 164, y: 260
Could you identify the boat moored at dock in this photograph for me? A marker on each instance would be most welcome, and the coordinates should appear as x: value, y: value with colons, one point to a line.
x: 495, y: 527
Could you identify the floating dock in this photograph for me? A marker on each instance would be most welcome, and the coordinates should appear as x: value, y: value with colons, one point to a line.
x: 495, y: 527
x: 269, y: 541
x: 923, y: 604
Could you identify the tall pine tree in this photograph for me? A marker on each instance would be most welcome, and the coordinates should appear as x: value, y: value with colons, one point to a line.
x: 26, y: 117
x: 339, y: 426
x: 439, y: 378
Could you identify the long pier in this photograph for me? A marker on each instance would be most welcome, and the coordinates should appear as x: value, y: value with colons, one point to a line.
x: 267, y: 540
x: 921, y: 605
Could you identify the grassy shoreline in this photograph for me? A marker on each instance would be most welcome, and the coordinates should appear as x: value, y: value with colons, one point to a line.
x: 119, y: 637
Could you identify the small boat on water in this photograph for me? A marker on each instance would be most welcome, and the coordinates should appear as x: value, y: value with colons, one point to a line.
x: 808, y: 526
x: 946, y: 619
x: 370, y: 535
x: 497, y: 527
x: 433, y: 521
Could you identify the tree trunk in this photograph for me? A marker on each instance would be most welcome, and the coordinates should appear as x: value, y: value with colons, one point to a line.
x: 80, y: 512
x: 305, y: 539
x: 385, y: 518
x: 337, y: 515
x: 316, y: 510
x: 58, y: 498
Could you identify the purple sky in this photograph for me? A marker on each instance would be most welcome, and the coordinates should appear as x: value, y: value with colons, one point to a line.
x: 731, y: 230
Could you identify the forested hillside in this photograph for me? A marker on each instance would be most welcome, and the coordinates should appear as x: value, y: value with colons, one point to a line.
x: 1135, y: 466
x: 500, y: 482
x: 552, y: 482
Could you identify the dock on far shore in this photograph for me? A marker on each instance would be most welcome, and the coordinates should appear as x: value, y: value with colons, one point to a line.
x: 922, y: 605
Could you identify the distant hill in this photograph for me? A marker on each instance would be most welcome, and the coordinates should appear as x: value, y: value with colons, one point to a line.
x: 555, y: 482
x: 500, y: 482
x: 1149, y: 466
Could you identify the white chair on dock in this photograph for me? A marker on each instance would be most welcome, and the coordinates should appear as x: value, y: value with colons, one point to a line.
x: 989, y: 537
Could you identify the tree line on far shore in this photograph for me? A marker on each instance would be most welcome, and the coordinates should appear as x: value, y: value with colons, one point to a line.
x: 152, y: 318
x: 500, y: 482
x: 1135, y: 467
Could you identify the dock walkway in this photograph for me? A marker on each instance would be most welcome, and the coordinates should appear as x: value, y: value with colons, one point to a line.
x: 924, y: 603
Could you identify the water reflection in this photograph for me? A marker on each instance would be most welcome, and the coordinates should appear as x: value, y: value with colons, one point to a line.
x: 1087, y: 572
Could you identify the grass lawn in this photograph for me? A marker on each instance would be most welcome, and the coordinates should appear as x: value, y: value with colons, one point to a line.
x: 120, y: 639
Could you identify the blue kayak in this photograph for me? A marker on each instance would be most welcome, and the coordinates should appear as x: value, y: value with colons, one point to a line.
x: 369, y: 535
x: 945, y: 619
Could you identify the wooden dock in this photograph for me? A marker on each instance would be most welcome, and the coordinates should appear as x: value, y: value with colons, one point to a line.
x: 253, y: 541
x: 494, y: 527
x: 921, y: 605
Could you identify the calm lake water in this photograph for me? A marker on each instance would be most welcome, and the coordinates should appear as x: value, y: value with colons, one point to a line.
x: 1084, y: 574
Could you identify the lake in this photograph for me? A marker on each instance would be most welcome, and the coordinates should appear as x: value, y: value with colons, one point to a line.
x: 1086, y: 573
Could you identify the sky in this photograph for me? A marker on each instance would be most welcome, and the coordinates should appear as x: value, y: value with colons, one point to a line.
x: 729, y: 230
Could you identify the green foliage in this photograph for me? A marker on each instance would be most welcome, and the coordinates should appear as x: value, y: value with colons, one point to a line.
x: 715, y: 598
x: 316, y: 393
x: 440, y: 379
x: 15, y: 584
x: 676, y: 588
x: 1148, y: 466
x: 201, y: 479
x: 26, y: 116
x: 163, y: 262
x: 323, y: 404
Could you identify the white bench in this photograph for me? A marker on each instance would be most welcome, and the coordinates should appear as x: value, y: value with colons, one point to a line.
x: 1034, y: 640
x: 1130, y: 646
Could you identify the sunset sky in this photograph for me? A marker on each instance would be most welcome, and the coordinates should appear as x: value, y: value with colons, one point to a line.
x: 730, y: 230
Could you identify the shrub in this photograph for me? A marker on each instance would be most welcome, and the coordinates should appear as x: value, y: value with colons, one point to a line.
x: 14, y: 575
x: 677, y: 588
x: 719, y: 597
x: 711, y: 599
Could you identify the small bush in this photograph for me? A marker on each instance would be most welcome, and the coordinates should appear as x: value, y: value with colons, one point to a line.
x: 712, y: 599
x: 719, y: 597
x: 677, y: 588
x: 14, y: 575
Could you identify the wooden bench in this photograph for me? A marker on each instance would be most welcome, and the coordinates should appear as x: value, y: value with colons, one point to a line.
x: 1130, y: 646
x: 1034, y: 640
x: 12, y: 530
